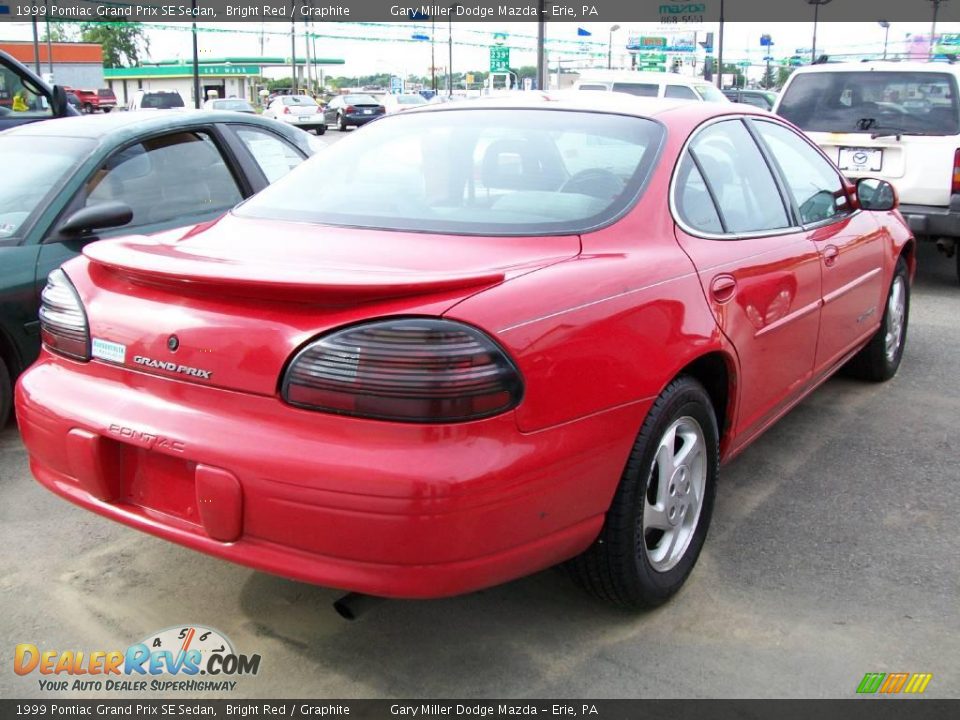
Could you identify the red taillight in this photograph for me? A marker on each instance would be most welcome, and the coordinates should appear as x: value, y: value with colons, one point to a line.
x: 955, y: 184
x: 286, y: 109
x: 410, y: 370
x: 319, y: 109
x: 380, y: 109
x: 349, y: 109
x: 63, y: 322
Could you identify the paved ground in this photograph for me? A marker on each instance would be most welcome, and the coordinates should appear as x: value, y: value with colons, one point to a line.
x: 833, y: 552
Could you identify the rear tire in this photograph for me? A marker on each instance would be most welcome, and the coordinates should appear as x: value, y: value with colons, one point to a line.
x: 87, y: 109
x: 880, y: 359
x: 659, y: 517
x: 320, y: 130
x: 6, y: 394
x: 958, y: 266
x: 342, y: 123
x: 106, y: 109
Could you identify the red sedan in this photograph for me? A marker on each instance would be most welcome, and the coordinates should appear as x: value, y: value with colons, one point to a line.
x: 468, y: 343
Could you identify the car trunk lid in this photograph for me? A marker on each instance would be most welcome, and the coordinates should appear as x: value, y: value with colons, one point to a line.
x: 227, y: 303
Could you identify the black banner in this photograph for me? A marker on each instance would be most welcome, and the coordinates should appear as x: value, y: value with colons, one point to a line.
x: 666, y: 12
x: 857, y: 709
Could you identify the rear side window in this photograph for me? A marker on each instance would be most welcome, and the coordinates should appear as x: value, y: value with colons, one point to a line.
x: 680, y: 92
x: 274, y: 156
x: 638, y: 89
x: 747, y: 197
x: 171, y: 177
x: 593, y: 87
x: 911, y: 103
x: 694, y: 203
x: 816, y: 187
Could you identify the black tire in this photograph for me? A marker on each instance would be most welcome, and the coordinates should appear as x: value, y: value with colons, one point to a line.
x: 320, y: 130
x: 873, y: 362
x: 342, y: 123
x: 87, y: 109
x: 106, y: 109
x: 6, y: 394
x: 957, y: 255
x: 616, y: 568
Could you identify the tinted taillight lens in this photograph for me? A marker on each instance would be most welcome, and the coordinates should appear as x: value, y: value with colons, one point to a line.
x: 63, y: 322
x: 349, y: 109
x: 411, y: 369
x: 955, y: 184
x: 286, y: 110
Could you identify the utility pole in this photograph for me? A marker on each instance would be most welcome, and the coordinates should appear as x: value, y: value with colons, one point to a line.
x: 293, y: 47
x: 933, y: 26
x: 36, y: 47
x: 541, y: 52
x: 433, y: 59
x: 196, y: 61
x: 720, y: 51
x: 46, y: 4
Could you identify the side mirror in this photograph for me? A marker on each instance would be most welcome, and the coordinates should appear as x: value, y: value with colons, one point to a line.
x: 59, y: 102
x: 96, y: 217
x: 876, y: 194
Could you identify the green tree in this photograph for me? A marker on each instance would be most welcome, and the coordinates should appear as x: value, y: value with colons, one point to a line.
x: 124, y: 44
x: 739, y: 79
x: 783, y: 74
x: 58, y: 32
x: 769, y: 79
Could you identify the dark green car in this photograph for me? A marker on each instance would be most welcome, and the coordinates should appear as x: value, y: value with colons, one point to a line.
x: 67, y: 182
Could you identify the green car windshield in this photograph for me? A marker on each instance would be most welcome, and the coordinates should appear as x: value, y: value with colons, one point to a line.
x: 36, y: 166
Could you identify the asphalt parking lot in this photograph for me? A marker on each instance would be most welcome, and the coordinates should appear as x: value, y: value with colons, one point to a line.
x: 832, y: 554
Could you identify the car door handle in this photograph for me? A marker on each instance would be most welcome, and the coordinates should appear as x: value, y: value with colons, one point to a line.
x: 830, y: 254
x: 723, y: 288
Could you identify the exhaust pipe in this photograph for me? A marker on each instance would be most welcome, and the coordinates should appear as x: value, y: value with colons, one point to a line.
x: 352, y: 605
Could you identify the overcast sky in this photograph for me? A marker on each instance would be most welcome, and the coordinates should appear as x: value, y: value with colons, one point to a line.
x: 741, y: 41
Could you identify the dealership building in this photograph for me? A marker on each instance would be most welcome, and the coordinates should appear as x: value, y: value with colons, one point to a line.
x: 227, y: 77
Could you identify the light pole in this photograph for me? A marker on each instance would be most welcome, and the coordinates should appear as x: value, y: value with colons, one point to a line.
x: 196, y: 61
x: 450, y: 51
x: 816, y: 17
x: 720, y: 51
x: 613, y: 29
x: 433, y: 59
x: 886, y: 36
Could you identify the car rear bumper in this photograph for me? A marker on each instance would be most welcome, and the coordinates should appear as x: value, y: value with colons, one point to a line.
x: 388, y: 509
x: 361, y: 119
x: 934, y: 221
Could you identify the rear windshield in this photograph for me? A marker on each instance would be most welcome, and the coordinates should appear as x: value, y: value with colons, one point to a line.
x: 912, y: 103
x: 472, y: 171
x: 710, y: 93
x: 298, y: 100
x: 105, y: 92
x: 640, y: 89
x: 410, y: 100
x: 161, y: 100
x: 239, y: 105
x: 361, y: 100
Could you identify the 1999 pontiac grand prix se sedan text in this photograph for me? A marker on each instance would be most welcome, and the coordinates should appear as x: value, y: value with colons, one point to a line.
x: 469, y: 343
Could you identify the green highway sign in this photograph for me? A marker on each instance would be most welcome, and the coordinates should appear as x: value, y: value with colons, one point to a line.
x: 499, y: 59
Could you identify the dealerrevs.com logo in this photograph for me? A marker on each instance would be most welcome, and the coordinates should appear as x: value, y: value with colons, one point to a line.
x: 190, y: 658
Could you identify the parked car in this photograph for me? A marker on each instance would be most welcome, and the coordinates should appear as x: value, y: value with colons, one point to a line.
x: 26, y: 98
x: 649, y: 84
x: 101, y: 99
x: 896, y: 121
x: 763, y: 99
x: 231, y: 104
x: 401, y: 101
x: 84, y: 178
x: 155, y: 100
x: 346, y: 110
x: 516, y: 333
x: 299, y: 110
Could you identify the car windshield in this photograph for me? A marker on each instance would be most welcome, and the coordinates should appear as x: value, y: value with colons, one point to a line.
x: 919, y: 103
x: 41, y: 163
x: 472, y: 171
x: 709, y: 93
x: 232, y: 105
x: 298, y: 100
x: 161, y: 101
x: 105, y: 92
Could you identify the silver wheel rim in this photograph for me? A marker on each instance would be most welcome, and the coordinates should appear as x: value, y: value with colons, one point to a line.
x: 674, y: 494
x: 896, y: 309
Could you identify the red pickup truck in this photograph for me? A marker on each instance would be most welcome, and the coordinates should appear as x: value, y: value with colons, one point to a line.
x: 93, y: 100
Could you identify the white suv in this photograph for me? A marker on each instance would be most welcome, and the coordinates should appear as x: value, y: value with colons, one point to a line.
x: 893, y: 120
x: 649, y: 84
